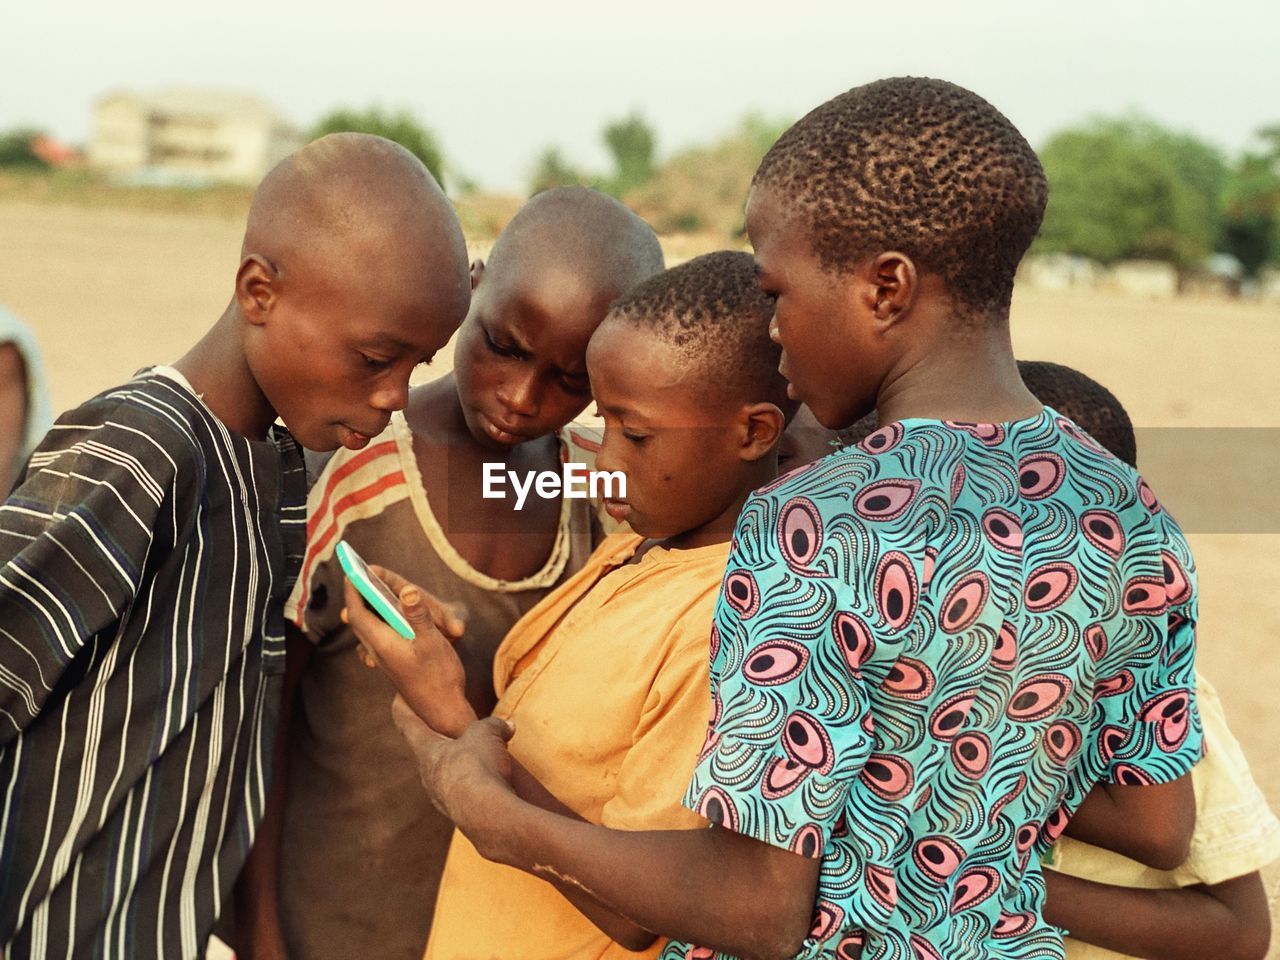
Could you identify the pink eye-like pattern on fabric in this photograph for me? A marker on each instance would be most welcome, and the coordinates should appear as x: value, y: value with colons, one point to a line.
x: 1078, y: 435
x: 971, y: 753
x: 1038, y: 697
x: 850, y: 948
x: 923, y: 797
x: 926, y: 568
x: 992, y: 434
x: 950, y: 716
x: 781, y: 777
x: 1054, y: 824
x: 742, y: 593
x: 974, y: 886
x: 807, y: 742
x: 886, y: 500
x: 938, y: 857
x: 827, y: 919
x: 964, y: 602
x: 1145, y: 597
x: 1177, y: 585
x: 882, y: 886
x: 717, y: 806
x: 1025, y: 837
x: 1131, y: 776
x: 888, y: 776
x: 775, y: 662
x: 1004, y: 530
x: 1171, y: 712
x: 1012, y: 925
x: 896, y: 591
x: 1004, y: 654
x: 1147, y: 497
x: 1114, y: 685
x: 909, y: 679
x: 921, y: 949
x: 1102, y: 529
x: 808, y: 842
x: 854, y: 637
x: 799, y: 532
x: 1110, y: 740
x: 1040, y: 475
x: 957, y: 482
x: 1095, y: 641
x: 1062, y: 740
x: 882, y: 440
x: 1050, y: 586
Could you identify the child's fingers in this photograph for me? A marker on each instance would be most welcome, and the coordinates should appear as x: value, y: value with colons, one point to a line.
x: 368, y: 626
x: 424, y: 608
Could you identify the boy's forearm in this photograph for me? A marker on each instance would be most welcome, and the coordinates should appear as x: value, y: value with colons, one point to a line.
x: 714, y: 887
x: 1228, y: 921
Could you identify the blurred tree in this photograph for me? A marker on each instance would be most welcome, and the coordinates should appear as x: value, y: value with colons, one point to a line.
x: 15, y: 149
x: 552, y: 170
x: 1123, y: 188
x: 401, y: 127
x: 704, y: 189
x: 632, y: 144
x: 1251, y: 228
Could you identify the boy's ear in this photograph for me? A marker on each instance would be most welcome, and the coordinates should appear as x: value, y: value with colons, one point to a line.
x: 890, y: 286
x: 477, y: 271
x: 762, y: 426
x: 257, y: 288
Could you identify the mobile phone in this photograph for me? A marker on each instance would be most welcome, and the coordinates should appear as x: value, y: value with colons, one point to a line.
x: 376, y: 593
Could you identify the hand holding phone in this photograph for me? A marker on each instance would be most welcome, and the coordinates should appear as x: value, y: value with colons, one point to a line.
x: 375, y: 593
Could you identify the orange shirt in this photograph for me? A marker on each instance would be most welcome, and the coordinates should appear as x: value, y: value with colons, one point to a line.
x: 606, y: 681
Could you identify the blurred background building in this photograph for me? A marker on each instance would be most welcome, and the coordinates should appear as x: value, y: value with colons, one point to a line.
x: 188, y: 136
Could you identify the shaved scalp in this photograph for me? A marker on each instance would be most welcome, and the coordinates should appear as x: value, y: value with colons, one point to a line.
x: 344, y: 202
x: 712, y: 310
x: 579, y: 230
x: 919, y: 166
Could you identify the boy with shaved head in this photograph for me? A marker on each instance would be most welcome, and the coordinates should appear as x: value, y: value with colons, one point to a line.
x: 153, y: 537
x: 362, y: 848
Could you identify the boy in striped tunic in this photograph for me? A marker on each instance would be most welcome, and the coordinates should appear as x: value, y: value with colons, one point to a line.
x: 153, y: 538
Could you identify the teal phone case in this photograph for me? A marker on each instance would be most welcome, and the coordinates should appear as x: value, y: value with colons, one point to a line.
x: 357, y: 572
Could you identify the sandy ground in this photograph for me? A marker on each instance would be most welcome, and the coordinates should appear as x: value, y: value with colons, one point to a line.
x: 111, y: 290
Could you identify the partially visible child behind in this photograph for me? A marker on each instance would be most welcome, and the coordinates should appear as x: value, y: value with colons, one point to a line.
x: 1214, y: 905
x: 149, y: 547
x: 906, y: 710
x: 362, y: 847
x: 24, y: 401
x: 606, y: 679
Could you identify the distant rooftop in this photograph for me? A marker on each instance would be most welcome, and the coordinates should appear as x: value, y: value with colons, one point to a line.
x: 192, y: 100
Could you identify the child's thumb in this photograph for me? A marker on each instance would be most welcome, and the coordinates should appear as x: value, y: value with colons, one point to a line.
x: 502, y: 728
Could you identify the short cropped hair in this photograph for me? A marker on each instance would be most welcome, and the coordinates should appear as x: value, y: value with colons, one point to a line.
x: 920, y: 166
x: 713, y: 311
x: 1082, y: 399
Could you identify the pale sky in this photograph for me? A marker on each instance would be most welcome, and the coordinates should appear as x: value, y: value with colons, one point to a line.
x: 497, y: 81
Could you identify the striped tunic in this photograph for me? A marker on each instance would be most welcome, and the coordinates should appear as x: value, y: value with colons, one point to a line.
x: 147, y: 555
